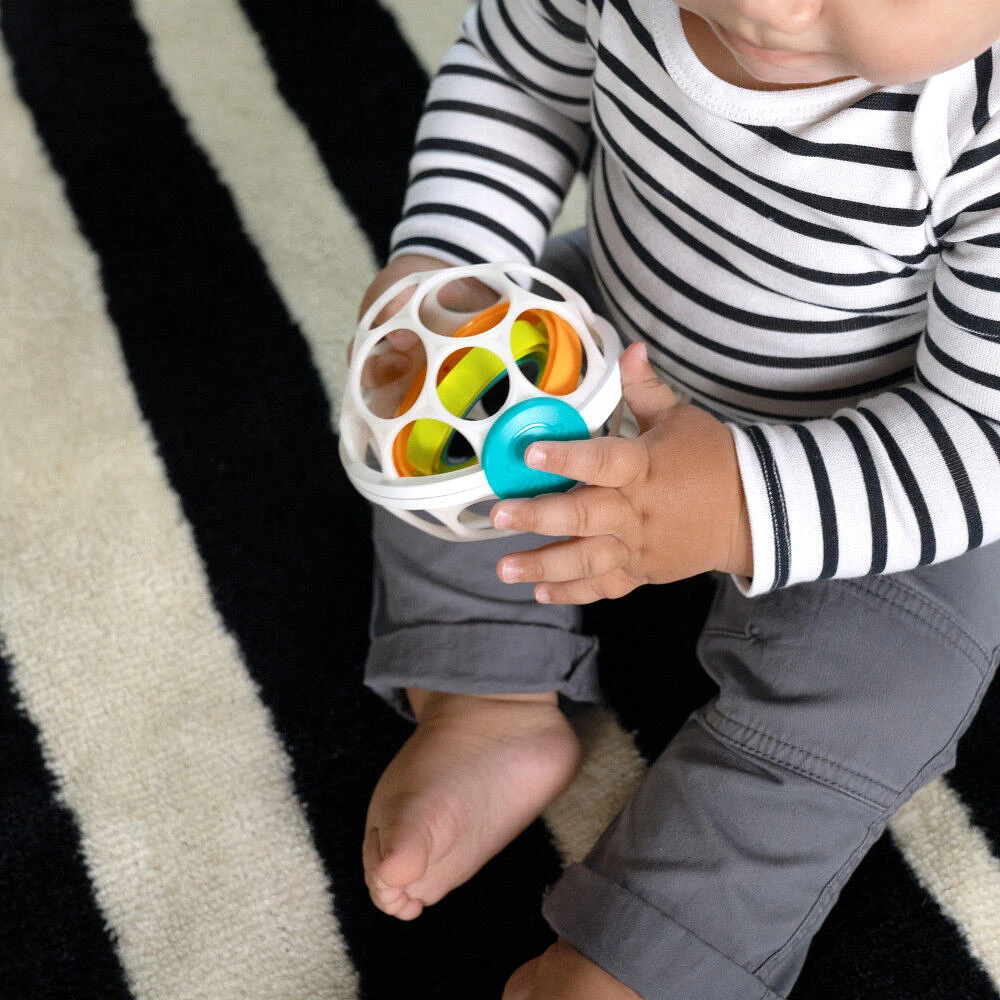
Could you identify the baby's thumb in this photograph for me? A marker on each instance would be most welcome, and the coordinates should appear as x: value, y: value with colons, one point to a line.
x: 645, y: 395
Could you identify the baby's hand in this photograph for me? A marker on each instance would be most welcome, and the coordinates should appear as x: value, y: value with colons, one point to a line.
x: 661, y: 507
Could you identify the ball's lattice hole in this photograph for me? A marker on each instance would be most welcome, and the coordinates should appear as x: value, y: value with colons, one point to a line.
x: 448, y: 307
x: 393, y: 373
x: 472, y: 383
x: 548, y: 351
x: 477, y: 515
x: 429, y: 447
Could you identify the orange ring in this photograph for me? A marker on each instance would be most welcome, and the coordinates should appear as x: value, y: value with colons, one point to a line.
x: 562, y: 369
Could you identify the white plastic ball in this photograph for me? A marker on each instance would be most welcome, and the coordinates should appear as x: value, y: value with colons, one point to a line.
x: 420, y: 401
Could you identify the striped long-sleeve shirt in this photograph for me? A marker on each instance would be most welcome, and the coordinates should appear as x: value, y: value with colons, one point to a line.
x: 819, y: 267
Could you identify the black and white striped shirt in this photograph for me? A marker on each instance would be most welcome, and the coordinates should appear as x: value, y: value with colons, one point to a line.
x: 820, y: 267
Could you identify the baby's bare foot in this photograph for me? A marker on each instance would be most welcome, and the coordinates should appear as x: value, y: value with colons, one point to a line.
x: 476, y: 771
x: 562, y: 973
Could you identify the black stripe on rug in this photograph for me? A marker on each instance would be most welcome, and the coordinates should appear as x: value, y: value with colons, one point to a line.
x: 350, y: 77
x: 53, y: 942
x: 651, y: 677
x: 887, y: 938
x: 973, y: 776
x: 227, y: 385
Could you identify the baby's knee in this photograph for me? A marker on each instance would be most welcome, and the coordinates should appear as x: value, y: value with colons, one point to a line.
x: 867, y: 683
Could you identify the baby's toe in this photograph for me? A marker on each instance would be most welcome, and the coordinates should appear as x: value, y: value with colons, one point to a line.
x: 391, y: 900
x: 410, y: 910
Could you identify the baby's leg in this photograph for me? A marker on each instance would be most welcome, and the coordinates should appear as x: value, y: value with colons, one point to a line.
x: 837, y: 701
x: 485, y: 665
x: 480, y: 665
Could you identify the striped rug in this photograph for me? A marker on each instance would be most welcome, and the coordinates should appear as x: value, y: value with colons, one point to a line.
x: 193, y: 194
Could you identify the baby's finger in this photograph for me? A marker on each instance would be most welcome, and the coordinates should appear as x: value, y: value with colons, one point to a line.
x: 575, y: 559
x: 608, y: 461
x: 384, y: 367
x: 466, y: 295
x: 611, y: 586
x: 646, y: 396
x: 587, y: 510
x: 403, y: 340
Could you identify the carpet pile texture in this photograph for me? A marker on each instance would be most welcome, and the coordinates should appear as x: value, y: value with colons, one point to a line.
x: 193, y: 195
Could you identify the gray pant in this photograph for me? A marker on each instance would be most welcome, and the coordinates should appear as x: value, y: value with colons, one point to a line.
x: 837, y: 700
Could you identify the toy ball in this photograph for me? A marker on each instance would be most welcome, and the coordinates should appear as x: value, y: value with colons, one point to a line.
x: 442, y: 402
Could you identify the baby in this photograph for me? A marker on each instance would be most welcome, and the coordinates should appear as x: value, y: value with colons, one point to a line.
x: 794, y: 220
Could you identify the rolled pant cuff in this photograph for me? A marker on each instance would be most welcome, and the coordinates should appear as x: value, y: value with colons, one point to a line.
x: 640, y: 946
x: 483, y: 658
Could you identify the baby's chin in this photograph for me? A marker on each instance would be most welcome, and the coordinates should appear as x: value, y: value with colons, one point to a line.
x: 793, y: 72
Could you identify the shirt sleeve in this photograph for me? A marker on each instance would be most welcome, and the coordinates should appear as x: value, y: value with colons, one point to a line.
x: 504, y: 130
x: 911, y: 476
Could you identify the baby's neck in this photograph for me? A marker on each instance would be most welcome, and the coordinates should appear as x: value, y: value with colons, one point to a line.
x: 717, y: 59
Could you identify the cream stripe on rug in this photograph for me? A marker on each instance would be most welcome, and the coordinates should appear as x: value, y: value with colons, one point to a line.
x: 429, y: 28
x: 199, y: 853
x: 611, y: 771
x: 316, y: 255
x: 953, y: 862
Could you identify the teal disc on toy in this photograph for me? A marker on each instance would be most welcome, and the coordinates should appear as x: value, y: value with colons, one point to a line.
x: 543, y: 419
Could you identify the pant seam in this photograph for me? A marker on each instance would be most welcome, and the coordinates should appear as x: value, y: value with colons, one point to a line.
x: 759, y: 751
x: 921, y: 777
x: 897, y: 594
x: 819, y: 910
